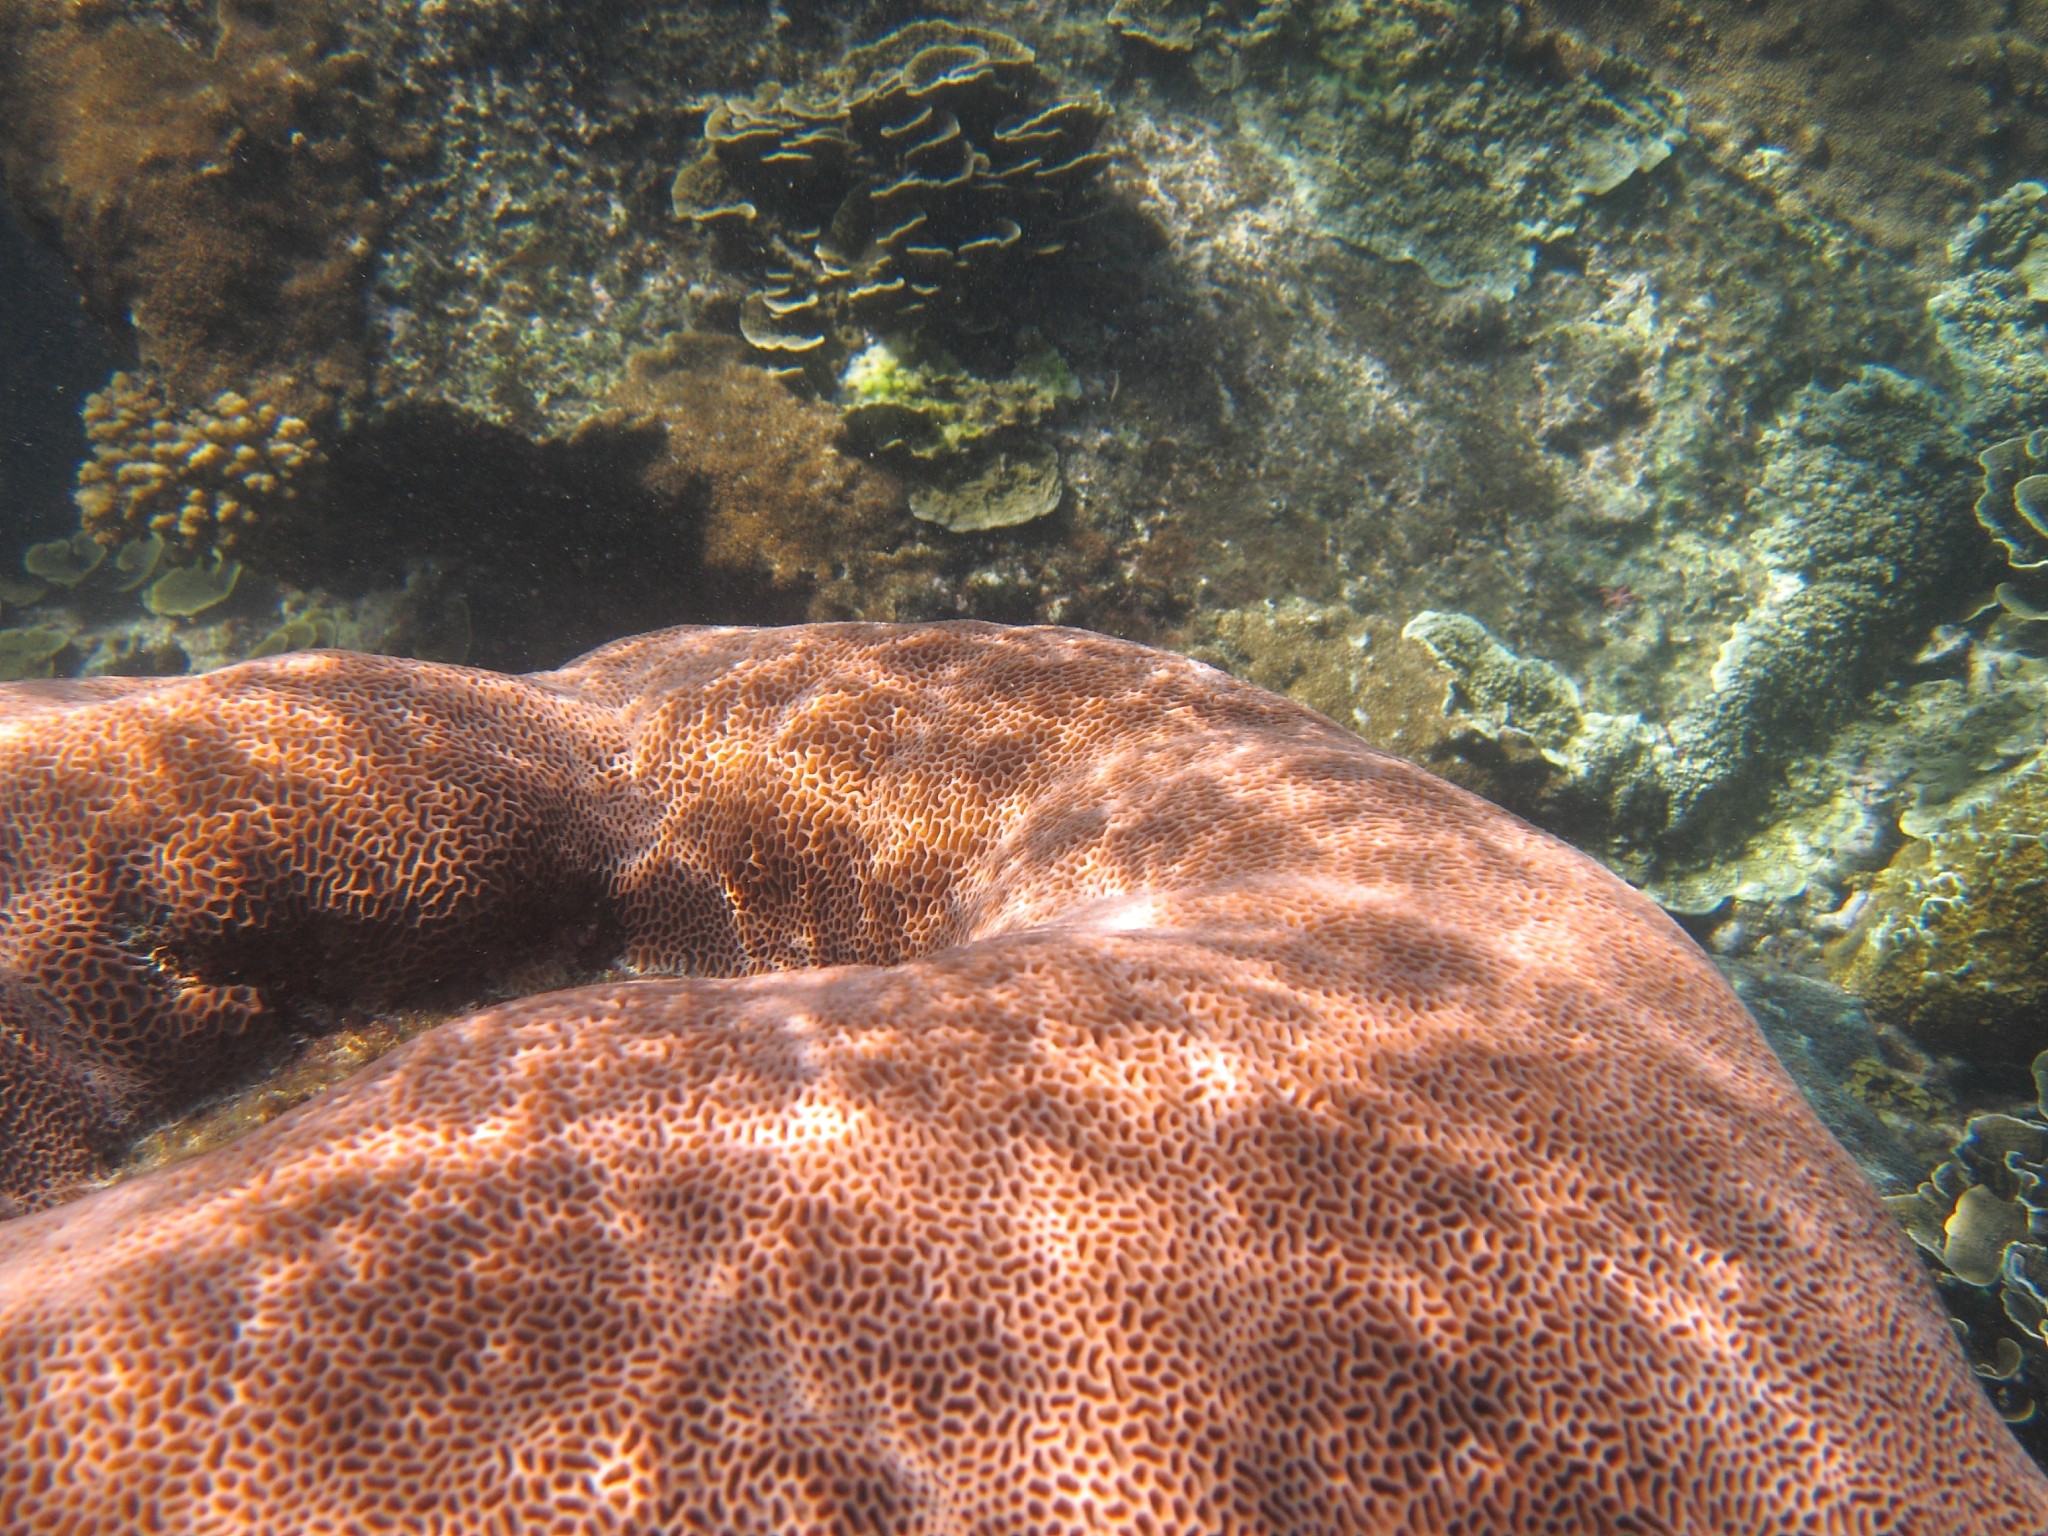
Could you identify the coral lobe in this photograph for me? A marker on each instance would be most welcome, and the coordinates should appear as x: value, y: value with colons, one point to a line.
x: 1101, y: 1094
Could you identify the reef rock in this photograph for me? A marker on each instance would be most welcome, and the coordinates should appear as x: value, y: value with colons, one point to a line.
x: 1102, y: 1095
x: 1951, y: 940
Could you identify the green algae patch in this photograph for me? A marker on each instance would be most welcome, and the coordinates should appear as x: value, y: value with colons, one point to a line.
x: 924, y: 404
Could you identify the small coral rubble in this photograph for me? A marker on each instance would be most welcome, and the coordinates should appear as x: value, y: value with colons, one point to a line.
x: 1082, y: 1057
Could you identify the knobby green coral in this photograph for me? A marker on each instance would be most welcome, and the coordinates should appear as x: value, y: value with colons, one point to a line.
x: 197, y: 478
x: 1857, y: 531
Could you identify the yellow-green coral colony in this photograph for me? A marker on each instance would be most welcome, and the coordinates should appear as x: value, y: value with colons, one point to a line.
x: 928, y: 406
x: 196, y: 478
x: 909, y: 190
x: 2014, y: 511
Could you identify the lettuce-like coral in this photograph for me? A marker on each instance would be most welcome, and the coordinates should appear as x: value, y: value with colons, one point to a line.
x: 915, y: 188
x: 2014, y: 511
x: 1981, y: 1218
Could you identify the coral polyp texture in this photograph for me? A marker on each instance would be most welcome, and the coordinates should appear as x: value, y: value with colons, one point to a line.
x: 199, y: 478
x: 1104, y: 1095
x: 913, y: 188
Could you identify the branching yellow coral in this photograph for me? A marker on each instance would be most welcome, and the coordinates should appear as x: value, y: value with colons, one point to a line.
x: 198, y: 478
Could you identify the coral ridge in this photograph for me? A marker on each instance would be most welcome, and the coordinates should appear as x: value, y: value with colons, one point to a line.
x: 1100, y: 1093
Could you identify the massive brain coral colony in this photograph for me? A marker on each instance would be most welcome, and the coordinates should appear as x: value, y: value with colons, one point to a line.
x: 1223, y: 1126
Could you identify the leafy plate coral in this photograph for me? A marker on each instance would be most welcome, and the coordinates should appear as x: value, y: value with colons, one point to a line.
x: 2014, y: 511
x: 1982, y: 1220
x: 913, y: 188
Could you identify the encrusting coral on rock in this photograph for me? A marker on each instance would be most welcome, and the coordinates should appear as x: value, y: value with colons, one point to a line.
x: 1103, y: 1095
x: 1436, y: 133
x: 1988, y: 315
x: 1953, y: 929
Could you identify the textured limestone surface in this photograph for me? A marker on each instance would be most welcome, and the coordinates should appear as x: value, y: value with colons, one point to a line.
x: 1085, y: 1092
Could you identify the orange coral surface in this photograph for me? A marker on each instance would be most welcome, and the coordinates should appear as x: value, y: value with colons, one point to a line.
x: 1108, y: 1097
